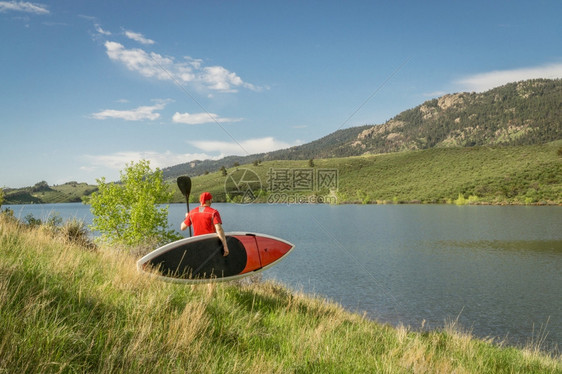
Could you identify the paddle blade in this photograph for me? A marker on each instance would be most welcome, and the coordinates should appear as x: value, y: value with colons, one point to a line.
x: 184, y: 184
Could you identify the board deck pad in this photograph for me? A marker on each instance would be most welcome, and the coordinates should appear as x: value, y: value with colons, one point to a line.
x: 201, y: 258
x: 205, y: 258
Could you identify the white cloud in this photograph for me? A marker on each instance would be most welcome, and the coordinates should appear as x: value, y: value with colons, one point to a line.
x: 189, y: 70
x: 138, y: 37
x: 23, y: 6
x: 148, y: 65
x: 118, y: 160
x: 220, y: 79
x: 101, y: 31
x: 201, y: 118
x: 485, y: 81
x: 137, y: 114
x: 249, y: 146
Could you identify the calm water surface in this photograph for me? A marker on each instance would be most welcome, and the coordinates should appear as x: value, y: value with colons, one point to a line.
x: 497, y: 270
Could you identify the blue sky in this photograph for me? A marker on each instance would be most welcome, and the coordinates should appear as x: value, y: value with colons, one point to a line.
x: 88, y: 86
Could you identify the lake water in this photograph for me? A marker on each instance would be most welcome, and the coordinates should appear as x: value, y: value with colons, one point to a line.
x: 497, y: 270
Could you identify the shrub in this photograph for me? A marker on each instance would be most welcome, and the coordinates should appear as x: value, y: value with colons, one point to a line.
x: 128, y: 212
x: 31, y: 221
x: 75, y: 231
x: 461, y: 200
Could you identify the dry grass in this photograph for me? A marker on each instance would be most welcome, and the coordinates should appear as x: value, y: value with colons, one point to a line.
x: 67, y: 309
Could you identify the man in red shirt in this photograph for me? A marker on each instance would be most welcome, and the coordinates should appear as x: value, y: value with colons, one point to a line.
x: 205, y: 220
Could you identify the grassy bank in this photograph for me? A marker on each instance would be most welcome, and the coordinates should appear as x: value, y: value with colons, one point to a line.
x: 65, y: 308
x: 492, y: 175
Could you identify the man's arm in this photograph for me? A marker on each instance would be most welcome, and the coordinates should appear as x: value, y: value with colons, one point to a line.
x: 220, y: 233
x: 183, y: 226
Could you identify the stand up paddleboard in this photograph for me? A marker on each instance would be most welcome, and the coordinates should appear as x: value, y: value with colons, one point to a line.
x: 200, y: 259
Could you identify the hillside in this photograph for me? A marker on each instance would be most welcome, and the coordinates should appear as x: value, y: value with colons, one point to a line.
x: 69, y: 309
x: 522, y: 113
x: 42, y: 193
x: 530, y: 174
x: 484, y: 174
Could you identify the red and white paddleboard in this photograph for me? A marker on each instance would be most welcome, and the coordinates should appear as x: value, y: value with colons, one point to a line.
x: 200, y: 259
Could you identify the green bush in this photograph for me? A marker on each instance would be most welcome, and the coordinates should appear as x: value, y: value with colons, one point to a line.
x: 31, y: 221
x: 127, y: 212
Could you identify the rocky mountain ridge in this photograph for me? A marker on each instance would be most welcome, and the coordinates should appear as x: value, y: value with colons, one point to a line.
x: 520, y: 113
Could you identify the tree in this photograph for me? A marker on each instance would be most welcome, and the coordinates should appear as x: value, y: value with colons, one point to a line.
x: 1, y: 197
x: 41, y: 186
x: 127, y: 212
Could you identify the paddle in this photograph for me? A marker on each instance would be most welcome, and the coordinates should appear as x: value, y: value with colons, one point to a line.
x: 184, y: 184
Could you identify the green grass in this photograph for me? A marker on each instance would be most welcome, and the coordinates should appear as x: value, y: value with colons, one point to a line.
x: 490, y: 175
x: 68, y: 192
x: 64, y: 308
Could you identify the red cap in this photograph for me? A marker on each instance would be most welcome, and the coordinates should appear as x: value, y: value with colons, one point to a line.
x: 204, y: 197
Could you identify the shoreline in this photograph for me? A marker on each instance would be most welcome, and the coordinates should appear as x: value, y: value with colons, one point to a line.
x: 381, y: 202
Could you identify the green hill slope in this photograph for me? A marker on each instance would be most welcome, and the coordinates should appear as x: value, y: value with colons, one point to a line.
x: 67, y: 309
x: 42, y: 193
x: 514, y: 175
x: 495, y: 175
